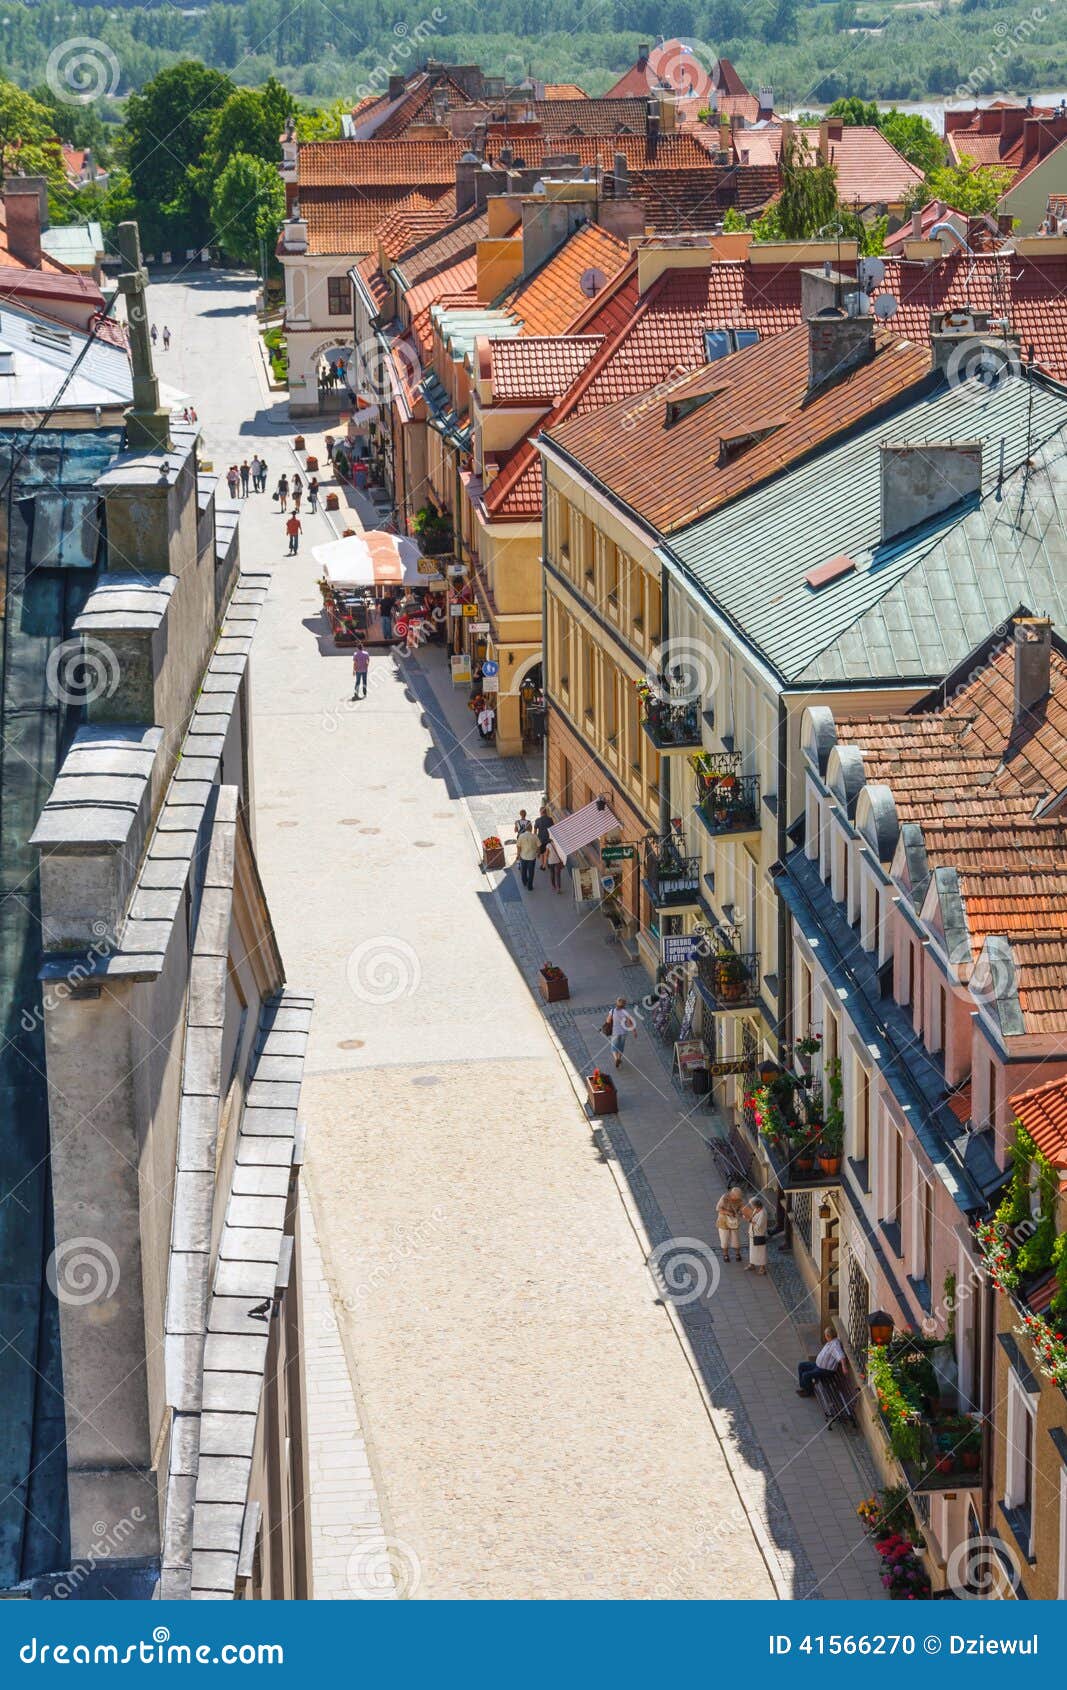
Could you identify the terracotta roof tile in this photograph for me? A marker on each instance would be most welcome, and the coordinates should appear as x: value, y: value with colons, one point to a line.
x: 870, y: 171
x: 1043, y: 1113
x: 369, y: 271
x: 548, y: 300
x: 458, y: 240
x: 48, y: 266
x: 539, y: 368
x: 564, y: 91
x: 606, y: 116
x: 347, y: 221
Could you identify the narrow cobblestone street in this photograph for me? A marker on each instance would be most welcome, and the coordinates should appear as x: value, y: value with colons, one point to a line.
x: 503, y: 1402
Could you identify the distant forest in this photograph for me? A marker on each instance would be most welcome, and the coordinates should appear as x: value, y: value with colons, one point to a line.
x: 808, y: 53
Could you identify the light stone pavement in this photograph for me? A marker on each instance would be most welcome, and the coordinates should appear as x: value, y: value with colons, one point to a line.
x: 538, y: 1421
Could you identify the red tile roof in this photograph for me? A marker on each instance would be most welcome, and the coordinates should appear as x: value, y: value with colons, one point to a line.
x: 424, y: 164
x: 375, y: 283
x: 547, y: 301
x: 347, y: 221
x: 542, y: 369
x: 1042, y: 1112
x: 870, y: 171
x: 564, y: 91
x: 49, y: 266
x: 638, y: 81
x: 607, y: 116
x: 680, y: 454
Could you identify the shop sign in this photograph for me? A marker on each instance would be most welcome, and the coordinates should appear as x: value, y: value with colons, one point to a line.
x: 428, y: 566
x: 618, y: 853
x: 739, y: 1065
x: 461, y: 670
x: 676, y: 948
x: 469, y: 609
x: 490, y: 683
x: 479, y: 627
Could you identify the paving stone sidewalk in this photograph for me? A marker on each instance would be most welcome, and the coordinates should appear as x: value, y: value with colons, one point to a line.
x: 801, y: 1480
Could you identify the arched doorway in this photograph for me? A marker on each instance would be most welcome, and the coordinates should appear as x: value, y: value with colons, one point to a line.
x: 530, y: 687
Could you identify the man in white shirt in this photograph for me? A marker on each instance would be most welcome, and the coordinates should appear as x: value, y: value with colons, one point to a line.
x: 622, y: 1022
x: 827, y: 1364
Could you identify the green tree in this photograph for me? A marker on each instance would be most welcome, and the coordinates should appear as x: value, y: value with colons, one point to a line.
x: 808, y: 201
x: 915, y: 138
x: 853, y: 110
x: 782, y: 23
x: 246, y: 207
x: 28, y: 143
x: 968, y: 188
x: 322, y: 123
x: 251, y: 122
x: 167, y: 126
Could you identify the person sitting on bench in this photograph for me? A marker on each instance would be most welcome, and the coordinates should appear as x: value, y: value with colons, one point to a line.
x: 828, y: 1364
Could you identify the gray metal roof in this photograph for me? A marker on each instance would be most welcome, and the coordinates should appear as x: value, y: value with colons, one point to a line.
x: 43, y: 354
x: 916, y: 605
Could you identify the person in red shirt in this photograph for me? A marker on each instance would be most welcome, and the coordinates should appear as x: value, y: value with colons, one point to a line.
x: 294, y: 528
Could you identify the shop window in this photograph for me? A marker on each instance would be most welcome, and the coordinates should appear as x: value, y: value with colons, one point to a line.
x: 339, y: 296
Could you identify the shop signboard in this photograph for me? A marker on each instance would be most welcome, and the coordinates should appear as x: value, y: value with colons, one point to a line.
x: 618, y: 853
x: 455, y: 610
x: 470, y: 610
x: 676, y: 948
x: 428, y: 565
x: 461, y: 670
x: 490, y: 683
x: 737, y: 1065
x: 479, y: 627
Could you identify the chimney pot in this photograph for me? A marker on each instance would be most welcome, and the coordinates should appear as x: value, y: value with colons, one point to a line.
x: 1033, y: 663
x: 26, y: 214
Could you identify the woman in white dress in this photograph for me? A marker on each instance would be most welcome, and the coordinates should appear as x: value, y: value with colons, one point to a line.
x: 756, y: 1216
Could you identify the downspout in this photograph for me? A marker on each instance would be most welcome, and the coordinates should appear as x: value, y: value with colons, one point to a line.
x: 785, y: 949
x: 544, y: 623
x: 989, y: 1321
x: 664, y: 782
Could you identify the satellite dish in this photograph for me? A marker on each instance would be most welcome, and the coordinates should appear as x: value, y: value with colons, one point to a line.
x: 885, y: 306
x: 871, y: 273
x: 592, y: 281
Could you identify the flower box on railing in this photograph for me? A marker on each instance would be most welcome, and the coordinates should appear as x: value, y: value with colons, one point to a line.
x: 730, y: 804
x: 730, y: 977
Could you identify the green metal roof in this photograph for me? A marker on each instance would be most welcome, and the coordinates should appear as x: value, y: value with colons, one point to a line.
x: 460, y: 327
x: 74, y: 243
x: 915, y: 606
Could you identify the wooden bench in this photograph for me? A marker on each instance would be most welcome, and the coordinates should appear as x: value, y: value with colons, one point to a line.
x: 837, y: 1398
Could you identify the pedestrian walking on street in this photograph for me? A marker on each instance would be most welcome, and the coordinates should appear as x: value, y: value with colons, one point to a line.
x: 166, y: 338
x: 313, y: 493
x: 282, y: 492
x: 756, y: 1216
x: 246, y: 470
x: 297, y: 486
x: 620, y: 1022
x: 527, y: 843
x: 555, y: 867
x: 233, y: 480
x: 360, y: 665
x: 155, y: 334
x: 523, y: 823
x: 294, y: 530
x: 486, y: 720
x: 541, y: 828
x: 261, y: 475
x: 728, y: 1222
x: 298, y: 492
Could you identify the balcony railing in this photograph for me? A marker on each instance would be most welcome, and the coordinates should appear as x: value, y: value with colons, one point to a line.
x: 670, y: 879
x: 731, y: 979
x: 670, y: 725
x: 730, y: 804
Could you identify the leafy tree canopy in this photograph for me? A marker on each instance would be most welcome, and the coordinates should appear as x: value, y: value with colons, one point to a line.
x: 167, y: 125
x: 28, y: 145
x: 967, y: 188
x: 247, y: 206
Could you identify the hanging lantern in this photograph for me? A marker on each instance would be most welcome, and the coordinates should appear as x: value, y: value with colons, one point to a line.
x: 880, y: 1325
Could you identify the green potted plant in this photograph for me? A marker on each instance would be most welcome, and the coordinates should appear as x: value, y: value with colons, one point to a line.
x: 730, y: 975
x: 832, y: 1137
x: 600, y: 1090
x: 969, y: 1446
x: 552, y: 983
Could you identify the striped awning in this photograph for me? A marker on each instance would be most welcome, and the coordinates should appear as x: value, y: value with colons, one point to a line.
x: 589, y: 823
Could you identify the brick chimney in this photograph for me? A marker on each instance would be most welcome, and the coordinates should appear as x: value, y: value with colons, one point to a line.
x: 920, y: 481
x: 642, y: 55
x: 397, y: 84
x: 837, y: 343
x: 652, y: 126
x: 1033, y: 663
x: 26, y: 213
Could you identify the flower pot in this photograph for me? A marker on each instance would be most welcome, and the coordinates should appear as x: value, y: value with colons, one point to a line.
x: 332, y: 502
x: 803, y: 1165
x: 970, y: 1460
x: 312, y: 463
x: 603, y: 1099
x: 299, y: 442
x: 829, y: 1164
x: 553, y: 988
x: 493, y: 858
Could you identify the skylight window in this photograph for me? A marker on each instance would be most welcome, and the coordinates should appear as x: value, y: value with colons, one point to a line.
x: 719, y: 343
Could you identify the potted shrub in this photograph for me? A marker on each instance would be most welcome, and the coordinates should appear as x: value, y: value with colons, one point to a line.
x: 806, y: 1048
x: 332, y: 502
x: 833, y: 1131
x: 730, y: 975
x: 312, y: 462
x: 969, y: 1447
x: 600, y: 1088
x: 552, y: 983
x: 492, y: 853
x: 299, y: 443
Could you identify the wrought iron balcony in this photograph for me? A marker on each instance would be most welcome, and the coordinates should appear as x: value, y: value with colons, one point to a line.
x: 730, y: 979
x: 671, y: 724
x: 730, y: 804
x: 671, y: 880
